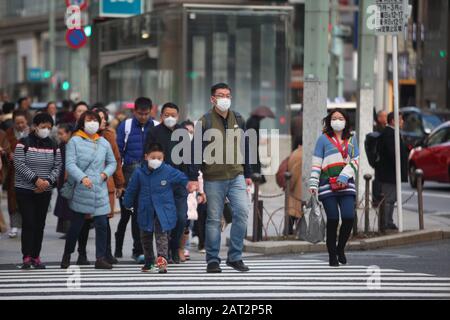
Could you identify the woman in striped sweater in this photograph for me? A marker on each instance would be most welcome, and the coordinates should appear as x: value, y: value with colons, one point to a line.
x: 37, y: 162
x: 333, y: 175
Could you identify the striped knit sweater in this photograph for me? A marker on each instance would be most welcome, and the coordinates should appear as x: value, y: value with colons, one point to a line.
x: 328, y: 162
x: 40, y: 161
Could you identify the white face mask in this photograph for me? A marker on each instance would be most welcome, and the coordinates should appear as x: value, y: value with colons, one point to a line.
x: 170, y: 122
x: 338, y: 125
x: 43, y: 133
x: 154, y: 163
x: 91, y: 127
x: 223, y: 104
x: 191, y: 136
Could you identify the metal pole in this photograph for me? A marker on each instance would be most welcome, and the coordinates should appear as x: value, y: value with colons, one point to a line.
x: 316, y: 81
x: 381, y: 214
x: 419, y: 181
x: 287, y: 176
x: 256, y: 177
x: 51, y: 53
x: 397, y: 133
x: 367, y: 177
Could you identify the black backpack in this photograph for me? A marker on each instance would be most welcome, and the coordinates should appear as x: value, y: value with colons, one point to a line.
x: 372, y: 147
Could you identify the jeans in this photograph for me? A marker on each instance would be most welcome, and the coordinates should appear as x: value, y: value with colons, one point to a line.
x: 100, y: 223
x: 390, y: 198
x: 34, y: 209
x: 216, y: 192
x: 180, y: 195
x: 346, y: 204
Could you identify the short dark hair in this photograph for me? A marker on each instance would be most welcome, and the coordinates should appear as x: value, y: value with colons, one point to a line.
x: 154, y: 147
x: 143, y: 103
x: 218, y: 86
x: 81, y: 103
x: 67, y: 104
x: 65, y: 126
x: 8, y: 107
x: 20, y: 113
x: 186, y: 123
x: 391, y: 116
x: 42, y: 117
x: 169, y: 105
x: 327, y: 123
x: 87, y: 114
x: 22, y: 99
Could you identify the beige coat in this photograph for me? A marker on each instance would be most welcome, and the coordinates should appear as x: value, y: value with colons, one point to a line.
x: 295, y: 167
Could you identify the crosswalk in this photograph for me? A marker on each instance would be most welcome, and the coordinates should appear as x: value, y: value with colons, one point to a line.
x: 268, y: 279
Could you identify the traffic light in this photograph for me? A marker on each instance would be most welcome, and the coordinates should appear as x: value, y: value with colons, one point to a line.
x: 65, y: 85
x: 88, y: 30
x: 47, y: 74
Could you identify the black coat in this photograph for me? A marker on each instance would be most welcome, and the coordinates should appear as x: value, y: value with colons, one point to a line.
x: 385, y: 170
x: 163, y: 135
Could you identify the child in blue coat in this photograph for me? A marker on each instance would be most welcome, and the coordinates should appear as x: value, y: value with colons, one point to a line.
x: 150, y: 188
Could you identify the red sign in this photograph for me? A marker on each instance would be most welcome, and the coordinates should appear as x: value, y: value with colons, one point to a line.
x: 76, y: 38
x: 81, y: 3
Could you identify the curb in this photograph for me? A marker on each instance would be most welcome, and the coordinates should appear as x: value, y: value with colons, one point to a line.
x: 406, y: 238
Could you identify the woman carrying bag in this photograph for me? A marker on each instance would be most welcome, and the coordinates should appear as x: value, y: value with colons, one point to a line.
x: 89, y: 163
x: 334, y: 169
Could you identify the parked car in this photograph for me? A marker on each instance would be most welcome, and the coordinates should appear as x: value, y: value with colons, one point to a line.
x: 417, y: 125
x: 432, y: 156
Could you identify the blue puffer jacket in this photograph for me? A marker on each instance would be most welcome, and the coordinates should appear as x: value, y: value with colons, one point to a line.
x: 133, y: 152
x: 82, y: 152
x: 153, y: 192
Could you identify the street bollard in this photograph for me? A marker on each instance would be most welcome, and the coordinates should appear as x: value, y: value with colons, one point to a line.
x: 287, y: 176
x: 381, y: 214
x: 419, y: 181
x: 367, y: 177
x: 257, y: 221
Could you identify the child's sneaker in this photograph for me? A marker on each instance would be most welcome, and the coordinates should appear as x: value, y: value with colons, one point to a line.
x: 37, y: 263
x: 187, y: 254
x: 161, y: 263
x: 27, y: 262
x: 148, y: 267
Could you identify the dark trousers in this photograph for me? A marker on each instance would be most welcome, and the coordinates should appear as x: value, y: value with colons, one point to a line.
x: 125, y: 217
x: 162, y: 243
x: 77, y: 224
x: 122, y: 227
x: 83, y: 237
x: 33, y: 207
x: 180, y: 195
x: 200, y: 225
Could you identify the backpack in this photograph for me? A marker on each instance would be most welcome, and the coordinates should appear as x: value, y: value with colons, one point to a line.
x: 372, y: 147
x: 281, y: 180
x: 128, y: 124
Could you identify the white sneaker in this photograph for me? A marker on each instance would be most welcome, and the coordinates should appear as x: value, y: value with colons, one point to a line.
x: 13, y: 233
x: 202, y: 251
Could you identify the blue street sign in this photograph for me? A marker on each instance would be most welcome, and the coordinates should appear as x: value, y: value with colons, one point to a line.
x: 121, y: 8
x: 34, y: 74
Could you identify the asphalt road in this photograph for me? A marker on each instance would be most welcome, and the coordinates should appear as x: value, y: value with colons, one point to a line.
x: 436, y: 197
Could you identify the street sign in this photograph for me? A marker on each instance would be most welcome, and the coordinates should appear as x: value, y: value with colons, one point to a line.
x: 81, y: 3
x: 121, y: 8
x: 34, y: 74
x: 76, y: 38
x: 390, y: 16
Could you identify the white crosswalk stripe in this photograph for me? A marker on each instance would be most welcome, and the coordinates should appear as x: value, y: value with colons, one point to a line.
x: 268, y: 279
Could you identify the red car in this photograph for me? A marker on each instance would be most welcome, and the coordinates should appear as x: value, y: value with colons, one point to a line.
x: 432, y: 156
